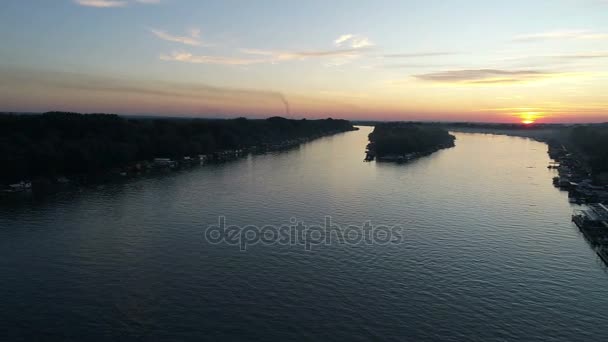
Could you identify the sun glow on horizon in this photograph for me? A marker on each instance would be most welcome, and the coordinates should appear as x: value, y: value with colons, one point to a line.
x: 187, y: 58
x: 528, y: 118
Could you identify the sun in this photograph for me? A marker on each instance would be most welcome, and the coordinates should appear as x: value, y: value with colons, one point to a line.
x: 528, y: 118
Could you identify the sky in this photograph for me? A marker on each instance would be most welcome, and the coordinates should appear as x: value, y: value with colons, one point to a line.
x: 508, y: 61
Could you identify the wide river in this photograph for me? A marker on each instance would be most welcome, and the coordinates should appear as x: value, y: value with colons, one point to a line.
x: 487, y: 252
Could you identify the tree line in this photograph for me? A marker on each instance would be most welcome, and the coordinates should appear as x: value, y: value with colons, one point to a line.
x: 592, y: 141
x: 63, y: 144
x: 402, y: 138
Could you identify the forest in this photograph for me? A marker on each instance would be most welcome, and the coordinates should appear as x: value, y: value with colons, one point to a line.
x: 592, y: 142
x: 58, y: 144
x: 403, y: 138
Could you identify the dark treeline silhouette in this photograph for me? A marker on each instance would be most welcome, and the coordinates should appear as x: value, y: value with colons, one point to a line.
x: 403, y: 138
x: 449, y: 124
x: 63, y: 144
x: 592, y: 141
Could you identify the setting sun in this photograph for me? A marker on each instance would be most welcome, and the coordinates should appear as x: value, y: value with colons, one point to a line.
x: 528, y: 118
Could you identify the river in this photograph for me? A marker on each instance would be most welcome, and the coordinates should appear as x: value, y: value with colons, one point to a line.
x: 488, y: 252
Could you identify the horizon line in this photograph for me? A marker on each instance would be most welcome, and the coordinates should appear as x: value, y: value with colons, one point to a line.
x: 194, y: 116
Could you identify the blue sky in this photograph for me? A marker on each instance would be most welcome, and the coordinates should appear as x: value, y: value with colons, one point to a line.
x: 452, y: 60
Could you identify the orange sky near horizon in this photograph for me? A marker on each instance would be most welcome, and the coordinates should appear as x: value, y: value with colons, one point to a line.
x: 518, y: 61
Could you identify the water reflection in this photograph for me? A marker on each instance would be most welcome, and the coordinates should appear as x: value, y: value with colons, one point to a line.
x: 489, y: 252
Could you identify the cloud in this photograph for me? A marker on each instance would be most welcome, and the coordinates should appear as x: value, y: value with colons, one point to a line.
x: 418, y: 54
x: 560, y: 35
x: 248, y: 56
x: 300, y: 55
x: 54, y: 81
x: 485, y: 76
x: 101, y: 3
x: 192, y: 39
x: 256, y: 56
x: 206, y: 59
x: 113, y: 3
x: 343, y: 38
x: 333, y: 57
x: 412, y: 65
x: 353, y: 40
x: 591, y: 55
x: 580, y: 59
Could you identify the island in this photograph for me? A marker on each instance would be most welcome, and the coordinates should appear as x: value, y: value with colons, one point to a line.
x: 44, y: 150
x: 402, y: 141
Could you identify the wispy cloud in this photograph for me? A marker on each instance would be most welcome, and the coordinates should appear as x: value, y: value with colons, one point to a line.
x: 101, y: 3
x: 485, y: 76
x: 301, y: 55
x: 342, y: 39
x: 256, y: 56
x: 591, y: 55
x: 562, y: 34
x: 124, y: 88
x: 206, y: 59
x: 418, y: 54
x: 113, y: 3
x: 193, y: 38
x: 355, y: 41
x: 412, y: 65
x: 350, y: 47
x: 584, y: 59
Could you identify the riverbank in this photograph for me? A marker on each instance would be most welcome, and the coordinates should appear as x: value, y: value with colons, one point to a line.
x: 484, y: 236
x: 542, y: 134
x: 55, y: 151
x: 574, y: 157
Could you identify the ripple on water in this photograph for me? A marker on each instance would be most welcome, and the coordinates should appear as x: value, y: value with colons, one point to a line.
x: 489, y: 253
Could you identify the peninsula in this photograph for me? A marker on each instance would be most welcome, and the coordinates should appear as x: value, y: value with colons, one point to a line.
x: 58, y: 147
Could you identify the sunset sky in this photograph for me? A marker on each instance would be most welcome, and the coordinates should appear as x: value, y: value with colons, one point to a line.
x: 504, y: 61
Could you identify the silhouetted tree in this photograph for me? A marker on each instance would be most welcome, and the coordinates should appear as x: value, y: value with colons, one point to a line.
x: 58, y: 143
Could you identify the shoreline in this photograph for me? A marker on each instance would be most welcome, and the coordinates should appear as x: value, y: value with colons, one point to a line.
x: 44, y: 186
x: 575, y: 177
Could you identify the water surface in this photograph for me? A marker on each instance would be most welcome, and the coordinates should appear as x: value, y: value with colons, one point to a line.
x: 489, y: 252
